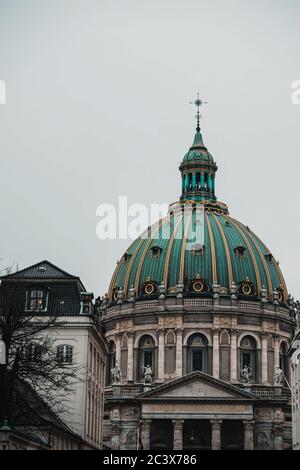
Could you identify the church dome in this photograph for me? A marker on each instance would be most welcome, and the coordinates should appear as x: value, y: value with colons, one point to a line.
x: 231, y: 254
x: 208, y: 254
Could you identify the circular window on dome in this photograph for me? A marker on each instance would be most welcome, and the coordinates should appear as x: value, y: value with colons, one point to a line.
x: 150, y: 288
x: 199, y: 286
x: 247, y: 289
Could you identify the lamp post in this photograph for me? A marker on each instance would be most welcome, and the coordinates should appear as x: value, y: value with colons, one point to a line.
x: 4, y: 435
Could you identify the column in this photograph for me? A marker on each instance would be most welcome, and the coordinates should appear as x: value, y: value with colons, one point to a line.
x: 264, y: 358
x: 233, y: 353
x: 115, y: 436
x: 118, y: 349
x: 216, y: 434
x: 145, y: 433
x: 276, y: 352
x: 277, y: 433
x: 179, y: 353
x: 248, y: 435
x: 178, y: 441
x: 194, y: 181
x: 161, y: 355
x: 216, y: 354
x: 130, y: 357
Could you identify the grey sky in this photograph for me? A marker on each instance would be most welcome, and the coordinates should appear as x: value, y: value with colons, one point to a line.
x: 97, y: 107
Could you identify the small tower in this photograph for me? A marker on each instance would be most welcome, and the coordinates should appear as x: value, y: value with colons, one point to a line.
x: 198, y: 168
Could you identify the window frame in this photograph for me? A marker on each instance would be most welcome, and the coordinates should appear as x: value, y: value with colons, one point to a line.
x: 30, y: 298
x: 65, y: 353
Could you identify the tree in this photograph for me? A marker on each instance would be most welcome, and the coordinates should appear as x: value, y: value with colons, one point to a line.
x: 31, y: 358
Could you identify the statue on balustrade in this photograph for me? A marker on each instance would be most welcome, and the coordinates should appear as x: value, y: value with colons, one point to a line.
x: 148, y: 374
x: 246, y: 375
x: 116, y: 375
x: 278, y: 377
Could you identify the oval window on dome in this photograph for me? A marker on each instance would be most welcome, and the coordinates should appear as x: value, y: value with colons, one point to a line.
x: 247, y: 289
x: 150, y: 288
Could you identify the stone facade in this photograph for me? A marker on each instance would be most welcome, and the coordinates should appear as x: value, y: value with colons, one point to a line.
x: 263, y: 413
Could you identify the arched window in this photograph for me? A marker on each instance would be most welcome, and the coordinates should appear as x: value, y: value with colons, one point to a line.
x: 64, y: 354
x: 197, y: 353
x: 111, y: 360
x: 248, y: 358
x: 283, y: 358
x: 146, y: 355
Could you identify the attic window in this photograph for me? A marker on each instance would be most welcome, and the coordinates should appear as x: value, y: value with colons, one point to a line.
x: 36, y: 299
x: 269, y: 257
x: 198, y: 249
x: 156, y: 251
x: 42, y: 268
x: 127, y: 256
x: 240, y: 251
x: 227, y: 224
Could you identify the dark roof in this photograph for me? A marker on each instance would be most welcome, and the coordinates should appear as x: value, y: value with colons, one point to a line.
x: 30, y: 410
x: 42, y: 270
x: 63, y: 288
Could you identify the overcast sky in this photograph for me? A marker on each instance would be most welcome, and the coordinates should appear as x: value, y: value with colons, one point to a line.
x: 98, y: 106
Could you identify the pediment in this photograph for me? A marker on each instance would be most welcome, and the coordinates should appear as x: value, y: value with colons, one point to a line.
x: 197, y: 385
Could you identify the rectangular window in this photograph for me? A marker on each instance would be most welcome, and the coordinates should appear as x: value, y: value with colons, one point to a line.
x: 36, y: 299
x: 197, y: 360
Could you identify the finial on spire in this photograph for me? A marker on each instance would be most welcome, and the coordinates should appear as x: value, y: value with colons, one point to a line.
x: 198, y: 103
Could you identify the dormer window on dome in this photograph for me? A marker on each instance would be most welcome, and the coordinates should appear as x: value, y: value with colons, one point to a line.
x: 240, y: 251
x: 155, y: 251
x: 269, y: 257
x: 198, y: 249
x: 127, y: 256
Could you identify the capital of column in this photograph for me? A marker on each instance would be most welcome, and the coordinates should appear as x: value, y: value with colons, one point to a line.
x: 178, y: 424
x: 146, y: 424
x: 248, y: 424
x: 216, y: 424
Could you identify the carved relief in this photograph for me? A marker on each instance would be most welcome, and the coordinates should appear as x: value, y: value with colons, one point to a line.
x: 129, y: 412
x: 125, y: 325
x: 262, y: 440
x: 263, y: 414
x: 225, y: 321
x: 170, y: 321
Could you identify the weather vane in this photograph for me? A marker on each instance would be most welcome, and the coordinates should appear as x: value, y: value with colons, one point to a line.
x: 198, y: 103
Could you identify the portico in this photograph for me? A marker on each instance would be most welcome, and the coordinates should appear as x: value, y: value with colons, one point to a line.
x: 197, y: 412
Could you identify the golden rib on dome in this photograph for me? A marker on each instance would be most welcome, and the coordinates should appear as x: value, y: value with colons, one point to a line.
x: 117, y: 270
x: 269, y: 280
x: 155, y: 228
x: 212, y: 249
x: 169, y: 251
x: 183, y: 247
x: 227, y: 252
x: 278, y: 270
x: 254, y: 262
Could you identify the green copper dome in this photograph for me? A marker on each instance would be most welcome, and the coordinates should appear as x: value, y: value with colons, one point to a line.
x: 230, y: 255
x: 198, y: 151
x: 229, y: 259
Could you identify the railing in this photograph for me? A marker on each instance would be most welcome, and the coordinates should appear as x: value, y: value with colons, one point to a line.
x: 249, y: 305
x: 145, y: 305
x: 198, y: 302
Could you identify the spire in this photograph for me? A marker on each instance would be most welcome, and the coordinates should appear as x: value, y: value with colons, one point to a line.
x: 198, y: 103
x: 198, y: 167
